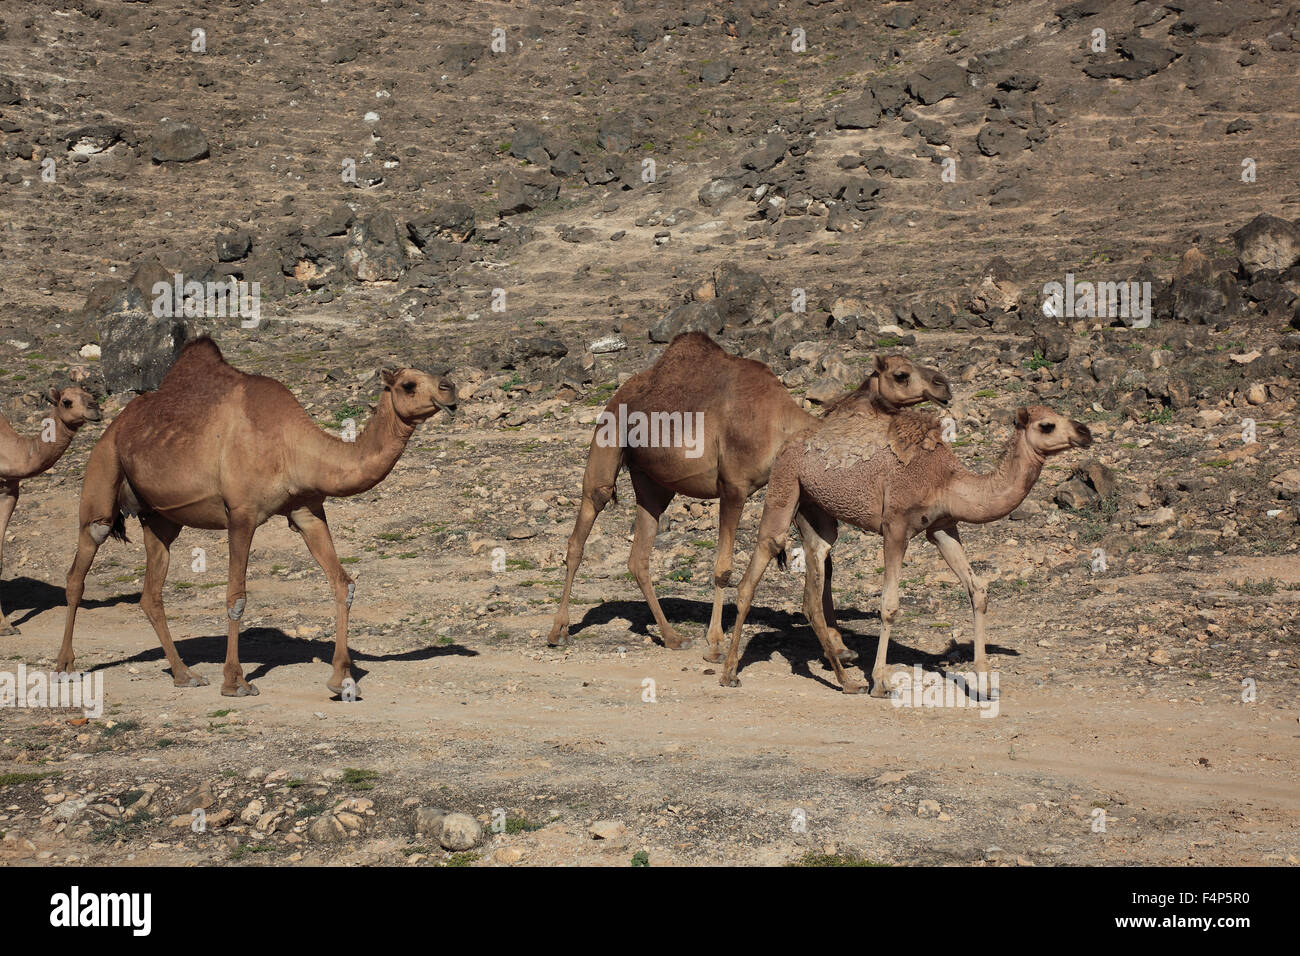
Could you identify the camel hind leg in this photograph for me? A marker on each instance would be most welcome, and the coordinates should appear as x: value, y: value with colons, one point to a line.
x: 8, y: 501
x: 159, y: 533
x: 818, y: 537
x: 598, y: 486
x: 814, y: 522
x: 97, y: 517
x: 651, y: 500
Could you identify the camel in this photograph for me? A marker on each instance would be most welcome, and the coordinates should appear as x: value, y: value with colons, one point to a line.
x: 911, y: 484
x: 217, y: 448
x: 746, y: 415
x: 26, y: 457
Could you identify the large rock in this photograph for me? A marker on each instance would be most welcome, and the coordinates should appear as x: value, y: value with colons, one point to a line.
x: 178, y: 142
x: 742, y: 297
x: 453, y: 220
x: 862, y: 113
x: 520, y: 192
x: 937, y: 81
x: 717, y: 191
x: 459, y: 832
x: 688, y: 317
x: 1267, y: 242
x: 137, y: 348
x: 375, y: 250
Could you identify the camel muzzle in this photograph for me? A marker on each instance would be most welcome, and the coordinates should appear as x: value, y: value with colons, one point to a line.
x: 1083, y: 437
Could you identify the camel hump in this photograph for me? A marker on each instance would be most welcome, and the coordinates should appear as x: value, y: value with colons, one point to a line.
x: 200, y: 360
x: 910, y: 432
x: 692, y: 346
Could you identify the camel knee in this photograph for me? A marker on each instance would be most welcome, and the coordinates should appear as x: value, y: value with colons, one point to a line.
x: 235, y: 608
x: 600, y: 497
x: 345, y: 591
x: 722, y: 577
x: 979, y: 596
x: 889, y: 610
x: 99, y: 532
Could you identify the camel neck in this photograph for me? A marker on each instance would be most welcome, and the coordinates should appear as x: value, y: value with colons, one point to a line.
x: 981, y: 498
x: 39, y: 452
x: 350, y: 468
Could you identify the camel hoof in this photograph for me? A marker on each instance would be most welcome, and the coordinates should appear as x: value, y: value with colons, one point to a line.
x: 684, y: 644
x: 6, y: 629
x: 714, y: 656
x: 879, y: 689
x: 243, y: 690
x: 559, y: 640
x: 853, y: 687
x: 847, y: 656
x: 194, y: 680
x: 729, y: 681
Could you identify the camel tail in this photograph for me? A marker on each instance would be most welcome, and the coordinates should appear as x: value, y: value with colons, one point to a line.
x: 118, y: 530
x: 780, y: 559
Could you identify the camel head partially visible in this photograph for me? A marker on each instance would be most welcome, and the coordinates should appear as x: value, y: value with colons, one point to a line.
x: 1049, y: 433
x: 417, y: 394
x: 74, y: 405
x: 902, y: 382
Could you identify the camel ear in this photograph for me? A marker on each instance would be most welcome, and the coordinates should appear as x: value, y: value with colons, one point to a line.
x: 1022, y: 417
x: 880, y: 363
x: 388, y: 376
x: 52, y: 396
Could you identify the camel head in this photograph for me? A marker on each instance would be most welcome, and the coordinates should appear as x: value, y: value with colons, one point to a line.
x: 1049, y: 433
x: 902, y: 382
x: 417, y: 394
x: 74, y: 405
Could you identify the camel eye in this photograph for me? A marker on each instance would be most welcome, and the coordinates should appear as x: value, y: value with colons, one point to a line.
x: 67, y: 403
x: 901, y: 376
x: 409, y: 388
x: 1048, y: 426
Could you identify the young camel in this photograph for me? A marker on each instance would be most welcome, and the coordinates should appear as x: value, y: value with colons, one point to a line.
x: 214, y: 448
x: 913, y: 483
x: 747, y: 415
x: 26, y: 457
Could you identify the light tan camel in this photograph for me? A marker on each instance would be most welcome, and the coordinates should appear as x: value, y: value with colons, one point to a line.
x: 215, y: 447
x: 745, y: 415
x: 912, y: 484
x: 23, y: 457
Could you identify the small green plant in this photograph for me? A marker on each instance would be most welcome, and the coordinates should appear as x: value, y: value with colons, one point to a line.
x: 640, y: 858
x: 360, y: 779
x: 1037, y: 361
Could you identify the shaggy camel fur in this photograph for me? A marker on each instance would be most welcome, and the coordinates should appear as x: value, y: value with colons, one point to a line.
x: 24, y: 457
x: 911, y: 484
x: 746, y: 416
x: 214, y: 448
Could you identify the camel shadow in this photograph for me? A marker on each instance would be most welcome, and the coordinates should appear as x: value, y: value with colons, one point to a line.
x: 271, y: 647
x: 788, y: 633
x: 793, y: 638
x: 37, y: 597
x: 682, y: 613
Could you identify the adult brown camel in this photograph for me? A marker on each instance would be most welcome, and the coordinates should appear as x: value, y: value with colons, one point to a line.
x: 912, y: 483
x: 215, y: 448
x: 745, y: 416
x: 23, y: 457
